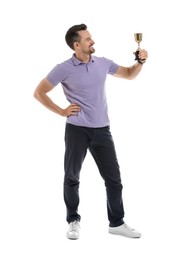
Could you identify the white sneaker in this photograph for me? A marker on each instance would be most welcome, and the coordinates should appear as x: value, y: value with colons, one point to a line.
x: 125, y: 230
x: 73, y: 231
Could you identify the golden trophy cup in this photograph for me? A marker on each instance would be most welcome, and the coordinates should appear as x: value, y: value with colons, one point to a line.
x: 138, y: 38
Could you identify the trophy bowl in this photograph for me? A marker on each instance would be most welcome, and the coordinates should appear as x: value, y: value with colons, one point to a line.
x: 138, y: 38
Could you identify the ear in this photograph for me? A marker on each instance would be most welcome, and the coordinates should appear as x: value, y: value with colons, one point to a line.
x: 76, y: 45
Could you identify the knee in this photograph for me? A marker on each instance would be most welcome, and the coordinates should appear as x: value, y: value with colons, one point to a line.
x: 114, y: 184
x: 71, y: 181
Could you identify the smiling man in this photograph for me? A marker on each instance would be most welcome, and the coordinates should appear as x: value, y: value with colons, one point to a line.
x: 83, y: 79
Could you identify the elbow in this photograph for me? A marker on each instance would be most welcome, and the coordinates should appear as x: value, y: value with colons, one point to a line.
x: 36, y: 94
x: 130, y: 74
x: 131, y: 77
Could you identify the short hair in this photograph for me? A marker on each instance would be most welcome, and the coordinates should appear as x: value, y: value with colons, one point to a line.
x: 73, y: 36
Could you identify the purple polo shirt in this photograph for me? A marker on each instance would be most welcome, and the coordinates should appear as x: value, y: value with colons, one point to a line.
x: 84, y: 84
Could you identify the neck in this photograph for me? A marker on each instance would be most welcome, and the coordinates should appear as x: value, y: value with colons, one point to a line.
x: 83, y: 57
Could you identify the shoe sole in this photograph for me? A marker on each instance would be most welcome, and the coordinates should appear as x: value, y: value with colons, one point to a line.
x: 114, y: 233
x: 72, y: 238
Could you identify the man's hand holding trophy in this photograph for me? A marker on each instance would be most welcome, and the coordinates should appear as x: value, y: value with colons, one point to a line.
x: 138, y: 38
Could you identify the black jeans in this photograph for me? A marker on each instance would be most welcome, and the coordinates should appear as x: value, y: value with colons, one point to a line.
x: 100, y: 143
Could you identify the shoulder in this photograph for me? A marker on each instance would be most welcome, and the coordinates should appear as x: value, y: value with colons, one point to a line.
x: 102, y: 60
x: 60, y: 72
x: 65, y: 63
x: 64, y: 66
x: 96, y: 58
x: 108, y: 64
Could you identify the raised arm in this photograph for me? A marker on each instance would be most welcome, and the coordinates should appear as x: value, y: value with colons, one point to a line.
x: 41, y: 95
x: 132, y: 71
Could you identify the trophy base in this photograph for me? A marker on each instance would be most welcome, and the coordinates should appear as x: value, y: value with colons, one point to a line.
x: 137, y: 57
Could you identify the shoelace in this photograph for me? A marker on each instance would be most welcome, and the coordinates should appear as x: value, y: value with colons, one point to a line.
x: 74, y: 225
x: 129, y: 228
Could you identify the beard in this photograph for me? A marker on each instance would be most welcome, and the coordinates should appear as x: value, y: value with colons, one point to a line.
x: 88, y: 51
x: 91, y: 49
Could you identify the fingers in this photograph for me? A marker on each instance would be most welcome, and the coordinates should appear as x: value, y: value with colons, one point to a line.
x: 143, y: 54
x: 73, y: 109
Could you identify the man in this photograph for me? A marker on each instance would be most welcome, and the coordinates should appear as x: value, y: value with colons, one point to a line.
x: 83, y: 79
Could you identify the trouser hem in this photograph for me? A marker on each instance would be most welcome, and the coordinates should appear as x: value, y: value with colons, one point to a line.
x: 121, y: 222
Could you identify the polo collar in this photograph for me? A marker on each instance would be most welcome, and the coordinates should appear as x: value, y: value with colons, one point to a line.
x: 78, y: 62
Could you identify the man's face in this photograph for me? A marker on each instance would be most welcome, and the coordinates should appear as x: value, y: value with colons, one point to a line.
x: 86, y: 43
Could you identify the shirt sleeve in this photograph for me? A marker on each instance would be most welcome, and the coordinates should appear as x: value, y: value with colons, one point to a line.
x: 54, y: 76
x: 112, y: 66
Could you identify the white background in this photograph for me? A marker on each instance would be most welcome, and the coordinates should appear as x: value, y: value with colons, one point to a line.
x: 147, y: 122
